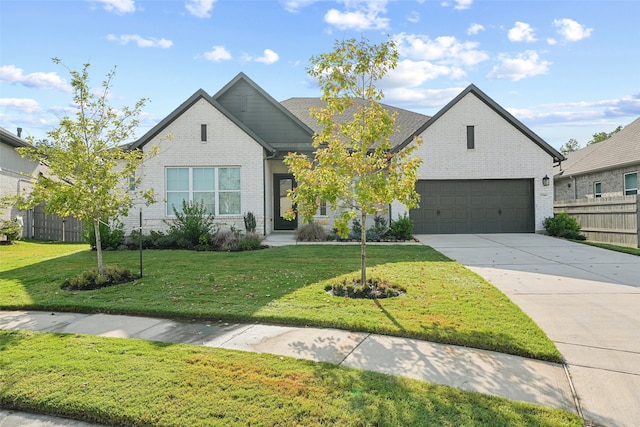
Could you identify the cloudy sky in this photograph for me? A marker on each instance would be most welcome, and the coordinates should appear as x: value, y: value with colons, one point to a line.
x: 567, y: 69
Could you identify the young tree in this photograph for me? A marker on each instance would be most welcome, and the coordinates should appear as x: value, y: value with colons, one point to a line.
x: 353, y: 169
x: 90, y: 171
x: 601, y: 136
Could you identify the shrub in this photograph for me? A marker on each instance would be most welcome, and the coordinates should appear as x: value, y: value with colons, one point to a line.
x: 250, y: 242
x: 111, y: 236
x: 192, y: 226
x: 311, y: 232
x: 379, y: 227
x: 402, y: 228
x: 11, y: 229
x: 374, y: 288
x: 91, y: 279
x: 563, y: 225
x: 226, y: 240
x: 250, y: 222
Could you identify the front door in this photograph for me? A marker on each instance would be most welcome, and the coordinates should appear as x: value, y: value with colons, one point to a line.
x: 282, y: 183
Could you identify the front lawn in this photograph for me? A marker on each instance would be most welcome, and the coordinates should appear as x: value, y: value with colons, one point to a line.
x: 138, y: 383
x: 444, y: 302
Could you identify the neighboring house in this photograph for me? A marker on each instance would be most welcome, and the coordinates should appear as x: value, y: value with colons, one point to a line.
x: 482, y: 171
x: 605, y: 169
x: 17, y: 175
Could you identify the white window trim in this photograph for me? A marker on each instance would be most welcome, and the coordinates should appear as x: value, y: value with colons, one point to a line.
x: 216, y: 191
x: 624, y: 184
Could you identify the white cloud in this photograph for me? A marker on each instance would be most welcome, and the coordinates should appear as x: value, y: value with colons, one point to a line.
x: 13, y: 74
x: 527, y: 64
x: 140, y: 41
x: 571, y: 30
x: 294, y: 6
x: 415, y: 73
x: 269, y: 57
x: 475, y: 29
x: 118, y: 6
x: 217, y: 54
x: 200, y: 8
x: 359, y: 15
x: 444, y: 49
x: 24, y: 105
x: 420, y: 98
x: 521, y: 32
x: 413, y: 17
x: 459, y: 4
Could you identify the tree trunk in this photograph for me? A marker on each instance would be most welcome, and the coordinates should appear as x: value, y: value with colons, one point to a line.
x: 96, y: 227
x: 363, y: 250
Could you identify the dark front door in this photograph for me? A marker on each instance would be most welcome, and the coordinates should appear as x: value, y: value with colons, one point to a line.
x: 282, y: 183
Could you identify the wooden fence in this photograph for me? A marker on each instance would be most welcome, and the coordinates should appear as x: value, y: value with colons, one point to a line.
x: 612, y: 220
x: 40, y: 226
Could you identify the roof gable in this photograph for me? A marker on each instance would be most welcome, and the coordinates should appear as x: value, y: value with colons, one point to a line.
x: 473, y: 90
x: 12, y: 140
x: 198, y: 95
x: 258, y: 111
x: 622, y: 148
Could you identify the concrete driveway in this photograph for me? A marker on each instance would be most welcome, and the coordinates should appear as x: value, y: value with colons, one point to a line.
x: 586, y: 299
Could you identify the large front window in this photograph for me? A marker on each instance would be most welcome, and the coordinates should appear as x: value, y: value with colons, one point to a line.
x: 218, y: 188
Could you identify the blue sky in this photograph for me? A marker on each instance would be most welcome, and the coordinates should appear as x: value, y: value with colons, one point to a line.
x: 567, y: 69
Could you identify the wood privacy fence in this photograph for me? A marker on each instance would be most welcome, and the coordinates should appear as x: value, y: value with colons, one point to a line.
x: 612, y: 220
x: 39, y: 226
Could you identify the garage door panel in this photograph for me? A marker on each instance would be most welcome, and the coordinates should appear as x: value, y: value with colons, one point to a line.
x: 474, y: 206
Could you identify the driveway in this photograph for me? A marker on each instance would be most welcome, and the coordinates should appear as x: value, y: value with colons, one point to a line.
x: 586, y: 299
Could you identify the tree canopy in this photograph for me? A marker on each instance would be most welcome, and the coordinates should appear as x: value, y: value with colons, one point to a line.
x: 91, y: 175
x: 354, y: 169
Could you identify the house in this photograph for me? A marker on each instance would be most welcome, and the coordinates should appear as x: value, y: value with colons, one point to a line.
x: 606, y: 169
x: 483, y: 170
x: 15, y: 173
x: 17, y: 176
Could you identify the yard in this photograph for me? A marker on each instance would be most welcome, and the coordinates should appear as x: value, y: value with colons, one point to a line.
x: 134, y: 382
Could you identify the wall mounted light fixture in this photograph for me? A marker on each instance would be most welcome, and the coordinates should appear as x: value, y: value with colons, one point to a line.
x: 545, y: 181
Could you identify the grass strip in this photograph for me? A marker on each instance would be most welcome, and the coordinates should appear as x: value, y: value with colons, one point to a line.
x: 445, y: 302
x: 137, y: 383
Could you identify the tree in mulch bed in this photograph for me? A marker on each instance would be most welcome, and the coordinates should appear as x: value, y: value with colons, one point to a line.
x: 90, y: 280
x: 373, y: 289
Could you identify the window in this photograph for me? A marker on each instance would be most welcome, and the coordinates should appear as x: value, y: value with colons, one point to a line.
x: 203, y: 133
x: 471, y: 138
x: 217, y: 188
x: 132, y: 183
x: 630, y: 183
x: 322, y: 210
x: 597, y: 189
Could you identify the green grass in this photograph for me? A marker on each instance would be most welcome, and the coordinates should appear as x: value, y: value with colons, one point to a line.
x: 623, y: 249
x: 133, y: 382
x: 445, y: 302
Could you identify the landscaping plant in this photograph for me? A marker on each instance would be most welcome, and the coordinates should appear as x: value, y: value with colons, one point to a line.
x: 563, y: 225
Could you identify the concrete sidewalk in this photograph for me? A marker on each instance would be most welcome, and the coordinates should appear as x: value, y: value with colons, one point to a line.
x: 585, y: 298
x: 482, y: 371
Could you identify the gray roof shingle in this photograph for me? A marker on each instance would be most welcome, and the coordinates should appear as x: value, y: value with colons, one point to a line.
x: 623, y: 148
x: 407, y: 122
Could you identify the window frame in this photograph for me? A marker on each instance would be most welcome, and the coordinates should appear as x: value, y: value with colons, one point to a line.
x: 191, y: 191
x: 597, y: 189
x: 629, y: 191
x: 471, y: 137
x: 203, y: 133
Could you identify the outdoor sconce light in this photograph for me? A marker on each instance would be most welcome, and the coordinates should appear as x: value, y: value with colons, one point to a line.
x: 545, y: 181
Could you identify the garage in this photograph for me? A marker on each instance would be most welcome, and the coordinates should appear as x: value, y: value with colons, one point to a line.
x: 474, y: 206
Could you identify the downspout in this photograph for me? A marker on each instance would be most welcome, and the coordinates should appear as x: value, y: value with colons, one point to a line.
x: 264, y: 191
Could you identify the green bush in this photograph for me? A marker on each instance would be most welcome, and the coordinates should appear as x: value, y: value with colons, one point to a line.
x: 91, y: 279
x: 111, y: 236
x: 402, y: 228
x: 11, y: 229
x: 563, y: 225
x: 250, y: 242
x: 311, y: 232
x: 374, y: 288
x: 192, y: 227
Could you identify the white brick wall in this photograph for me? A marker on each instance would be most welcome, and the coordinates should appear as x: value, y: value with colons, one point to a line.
x: 226, y: 145
x: 501, y: 152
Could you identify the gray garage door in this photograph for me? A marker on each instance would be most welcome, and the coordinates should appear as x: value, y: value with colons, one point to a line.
x: 474, y: 206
